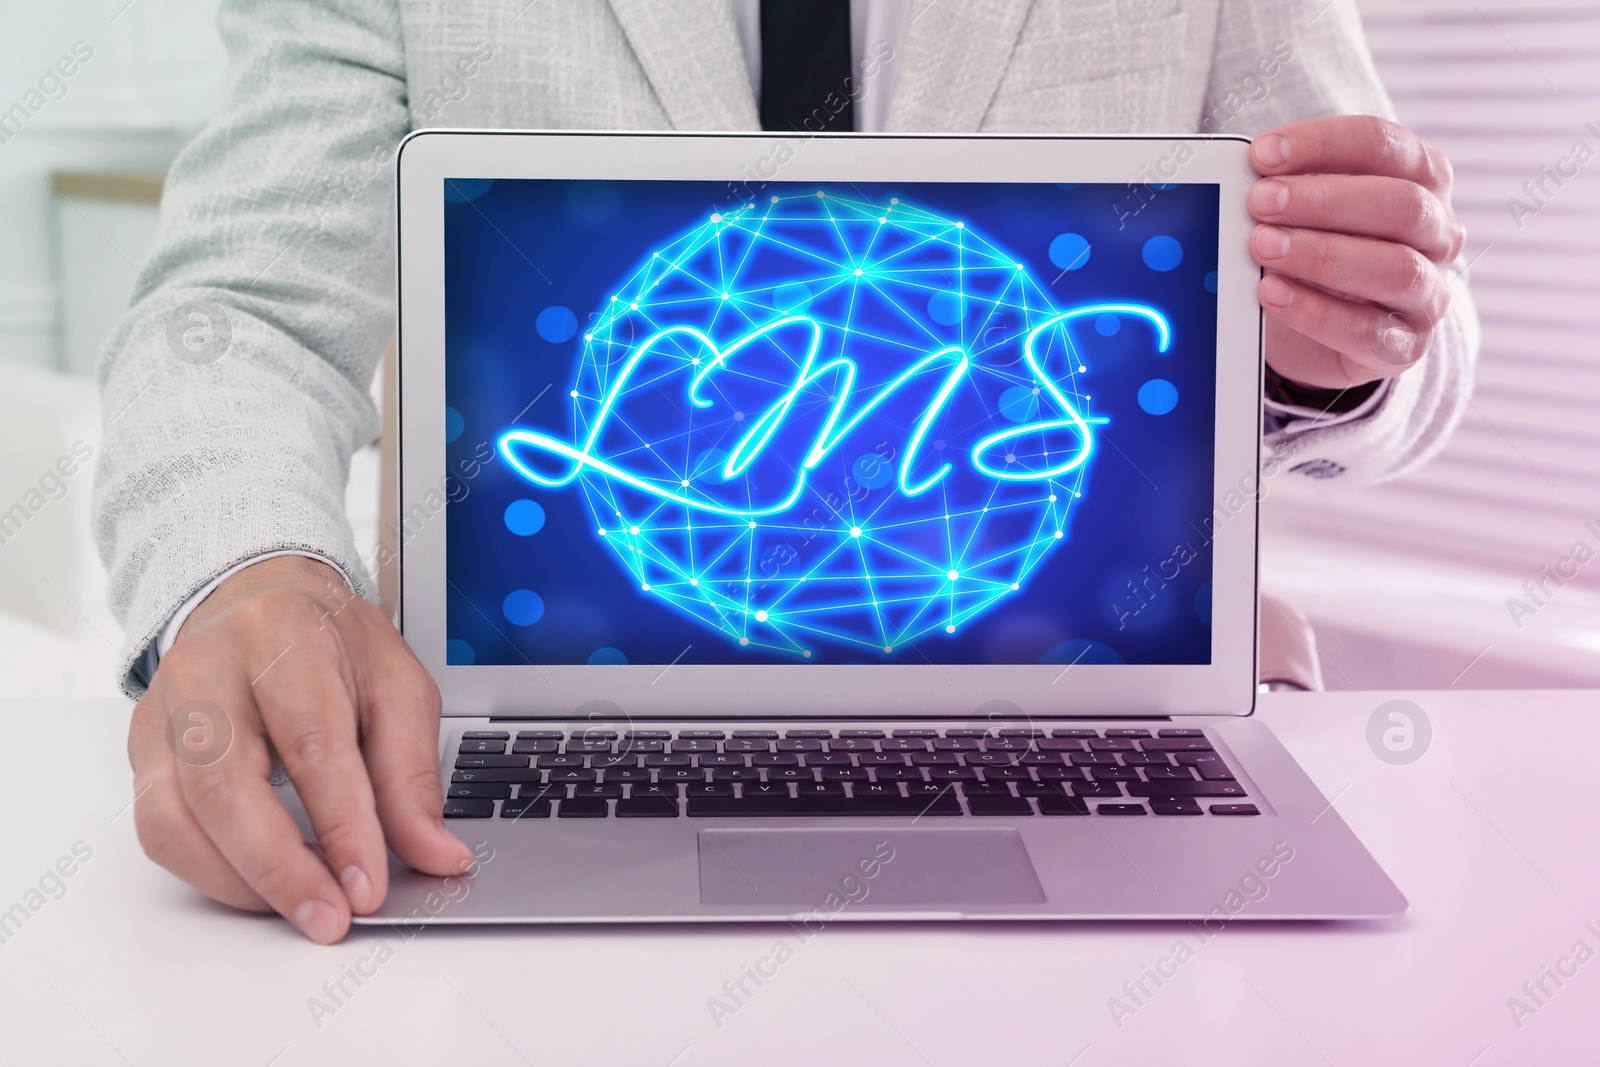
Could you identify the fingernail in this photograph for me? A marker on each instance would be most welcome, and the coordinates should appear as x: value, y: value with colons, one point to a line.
x: 318, y: 921
x: 1276, y: 291
x: 1399, y: 340
x: 357, y: 886
x: 1273, y: 195
x: 1273, y: 149
x: 1272, y: 243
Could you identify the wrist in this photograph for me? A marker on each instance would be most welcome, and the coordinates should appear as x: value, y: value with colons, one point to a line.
x: 300, y: 572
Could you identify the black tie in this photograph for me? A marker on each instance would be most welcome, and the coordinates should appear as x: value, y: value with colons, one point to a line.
x: 805, y: 66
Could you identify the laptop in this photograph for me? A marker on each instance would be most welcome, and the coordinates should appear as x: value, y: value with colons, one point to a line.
x: 844, y: 528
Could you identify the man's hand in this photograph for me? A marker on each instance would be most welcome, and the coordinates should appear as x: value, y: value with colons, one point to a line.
x: 283, y: 658
x: 1357, y: 235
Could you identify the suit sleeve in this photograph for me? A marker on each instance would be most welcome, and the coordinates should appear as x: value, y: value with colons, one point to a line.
x: 236, y: 386
x: 1282, y: 61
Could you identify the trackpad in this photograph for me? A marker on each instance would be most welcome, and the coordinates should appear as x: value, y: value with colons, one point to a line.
x: 834, y: 869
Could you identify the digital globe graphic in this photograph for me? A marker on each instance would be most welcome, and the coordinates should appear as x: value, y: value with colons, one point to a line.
x: 813, y: 422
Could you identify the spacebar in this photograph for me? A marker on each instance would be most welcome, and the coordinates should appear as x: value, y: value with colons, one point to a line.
x: 766, y: 807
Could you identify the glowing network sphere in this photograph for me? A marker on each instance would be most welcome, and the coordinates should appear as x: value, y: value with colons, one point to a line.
x: 813, y: 420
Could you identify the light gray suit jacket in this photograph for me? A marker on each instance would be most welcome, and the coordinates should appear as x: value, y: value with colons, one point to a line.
x: 276, y: 224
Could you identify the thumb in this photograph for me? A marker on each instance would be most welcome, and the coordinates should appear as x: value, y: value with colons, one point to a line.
x: 402, y: 754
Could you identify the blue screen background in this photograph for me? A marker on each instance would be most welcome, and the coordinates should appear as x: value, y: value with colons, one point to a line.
x: 531, y: 270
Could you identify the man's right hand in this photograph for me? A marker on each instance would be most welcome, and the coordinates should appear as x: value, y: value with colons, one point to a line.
x: 283, y: 658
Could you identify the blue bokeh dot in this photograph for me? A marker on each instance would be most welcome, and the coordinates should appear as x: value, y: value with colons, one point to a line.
x: 1163, y: 186
x: 594, y: 202
x: 1162, y: 253
x: 1107, y: 325
x: 946, y: 308
x: 607, y: 657
x: 454, y: 424
x: 524, y: 517
x: 556, y: 323
x: 457, y: 653
x: 523, y: 607
x: 1202, y: 603
x: 873, y: 471
x: 1080, y: 651
x: 1019, y: 403
x: 1158, y: 396
x: 1211, y: 282
x: 1069, y: 251
x: 461, y: 190
x: 792, y: 296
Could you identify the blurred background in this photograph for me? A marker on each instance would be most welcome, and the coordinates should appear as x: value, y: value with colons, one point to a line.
x: 1408, y: 585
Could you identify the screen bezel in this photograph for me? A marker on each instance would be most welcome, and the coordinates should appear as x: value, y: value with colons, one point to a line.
x: 1225, y: 686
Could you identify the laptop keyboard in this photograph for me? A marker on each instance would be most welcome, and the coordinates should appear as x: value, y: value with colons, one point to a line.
x: 713, y: 774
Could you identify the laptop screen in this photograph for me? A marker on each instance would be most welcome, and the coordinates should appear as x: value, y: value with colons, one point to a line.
x: 947, y: 423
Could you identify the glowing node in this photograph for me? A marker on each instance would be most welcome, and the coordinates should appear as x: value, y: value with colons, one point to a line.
x: 1059, y: 535
x: 1015, y: 586
x: 684, y: 482
x: 806, y: 653
x: 645, y: 587
x: 602, y: 531
x: 715, y: 217
x: 882, y: 221
x: 744, y: 640
x: 694, y: 581
x: 858, y: 272
x: 888, y: 648
x: 752, y: 526
x: 949, y: 629
x: 855, y: 531
x: 961, y: 225
x: 633, y: 529
x: 761, y: 616
x: 894, y: 200
x: 1052, y: 498
x: 952, y: 575
x: 724, y: 296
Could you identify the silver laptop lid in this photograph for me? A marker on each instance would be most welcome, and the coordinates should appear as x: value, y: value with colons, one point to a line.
x: 723, y: 425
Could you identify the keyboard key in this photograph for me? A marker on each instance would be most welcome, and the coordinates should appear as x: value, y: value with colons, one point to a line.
x: 694, y: 745
x: 599, y: 762
x: 915, y: 733
x: 799, y: 745
x: 1114, y: 744
x: 495, y: 748
x: 843, y: 774
x: 735, y: 774
x: 1007, y: 744
x: 571, y: 774
x: 1074, y: 733
x: 1061, y: 774
x: 1043, y: 759
x: 468, y: 809
x: 1180, y: 733
x: 1059, y: 744
x: 1021, y: 733
x: 834, y: 789
x: 605, y: 791
x: 539, y: 735
x: 756, y: 735
x: 1120, y: 809
x: 984, y: 789
x: 1062, y: 806
x: 783, y: 807
x: 793, y: 774
x: 1127, y: 733
x: 534, y: 748
x: 582, y: 809
x: 645, y: 791
x: 1114, y: 774
x: 952, y: 774
x: 904, y: 744
x: 497, y: 774
x: 1006, y: 774
x: 744, y: 745
x: 1145, y: 759
x: 1176, y: 744
x: 642, y: 748
x: 721, y: 759
x: 775, y: 759
x: 680, y: 774
x: 532, y: 808
x: 709, y: 789
x: 491, y: 761
x: 878, y: 759
x: 989, y: 759
x: 1039, y: 789
x: 676, y: 759
x: 1180, y: 774
x: 701, y: 735
x: 955, y: 744
x: 485, y: 735
x: 822, y: 734
x: 861, y: 733
x: 587, y: 748
x: 897, y: 774
x: 1185, y: 789
x: 587, y: 734
x: 647, y: 808
x: 649, y: 735
x: 966, y: 733
x: 480, y: 791
x: 627, y: 774
x: 852, y: 744
x: 998, y: 806
x: 1096, y: 789
x: 1175, y: 807
x: 1214, y: 771
x: 562, y: 760
x: 939, y: 759
x: 1235, y: 809
x: 1092, y: 759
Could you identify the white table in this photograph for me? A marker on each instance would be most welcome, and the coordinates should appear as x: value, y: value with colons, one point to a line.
x: 1492, y: 835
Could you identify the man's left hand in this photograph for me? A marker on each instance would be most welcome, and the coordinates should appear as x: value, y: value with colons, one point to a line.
x: 1357, y: 235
